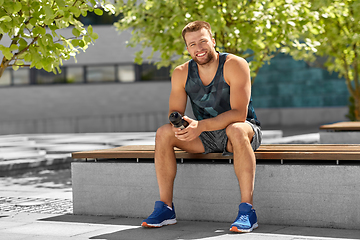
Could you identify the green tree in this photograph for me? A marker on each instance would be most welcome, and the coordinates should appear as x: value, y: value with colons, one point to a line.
x: 256, y: 30
x: 31, y: 29
x: 336, y: 41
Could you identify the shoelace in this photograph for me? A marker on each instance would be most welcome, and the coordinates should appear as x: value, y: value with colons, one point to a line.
x: 243, y: 218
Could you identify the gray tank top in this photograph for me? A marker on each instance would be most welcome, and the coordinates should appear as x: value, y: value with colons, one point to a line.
x: 213, y: 99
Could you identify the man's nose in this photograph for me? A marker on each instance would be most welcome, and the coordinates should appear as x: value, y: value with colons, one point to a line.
x: 198, y: 47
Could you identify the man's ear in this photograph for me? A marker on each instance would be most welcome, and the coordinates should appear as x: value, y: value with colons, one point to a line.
x: 213, y: 40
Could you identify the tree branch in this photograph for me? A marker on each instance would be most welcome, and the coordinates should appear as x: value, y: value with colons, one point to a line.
x: 16, y: 65
x: 24, y: 50
x: 69, y: 38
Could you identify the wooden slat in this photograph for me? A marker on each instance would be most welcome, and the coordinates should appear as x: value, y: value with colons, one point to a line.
x: 342, y: 126
x: 186, y: 155
x: 309, y: 148
x: 309, y: 155
x: 266, y: 151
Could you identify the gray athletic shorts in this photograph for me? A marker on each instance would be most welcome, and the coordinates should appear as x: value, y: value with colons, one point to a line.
x: 216, y: 141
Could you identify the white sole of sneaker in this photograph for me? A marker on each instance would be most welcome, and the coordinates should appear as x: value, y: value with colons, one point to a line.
x: 163, y: 223
x: 235, y: 229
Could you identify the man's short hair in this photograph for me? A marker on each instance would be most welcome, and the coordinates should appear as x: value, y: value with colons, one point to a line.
x: 196, y: 26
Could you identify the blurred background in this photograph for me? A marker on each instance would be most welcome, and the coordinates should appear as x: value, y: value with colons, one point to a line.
x: 106, y: 91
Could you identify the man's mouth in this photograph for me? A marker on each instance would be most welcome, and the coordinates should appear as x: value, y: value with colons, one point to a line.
x: 200, y: 54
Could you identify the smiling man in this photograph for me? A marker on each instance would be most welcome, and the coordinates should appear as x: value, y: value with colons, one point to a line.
x: 219, y: 88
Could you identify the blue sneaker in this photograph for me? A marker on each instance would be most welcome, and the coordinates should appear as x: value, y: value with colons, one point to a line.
x: 162, y: 215
x: 246, y: 219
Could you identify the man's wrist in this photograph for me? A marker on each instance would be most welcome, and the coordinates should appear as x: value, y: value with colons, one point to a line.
x: 202, y: 125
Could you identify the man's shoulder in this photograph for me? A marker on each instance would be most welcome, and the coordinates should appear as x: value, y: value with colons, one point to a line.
x: 182, y: 67
x: 180, y: 73
x: 235, y: 67
x: 235, y: 63
x: 231, y: 58
x: 181, y: 70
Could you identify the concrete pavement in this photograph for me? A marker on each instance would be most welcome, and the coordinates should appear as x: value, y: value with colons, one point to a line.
x: 33, y: 226
x: 37, y: 205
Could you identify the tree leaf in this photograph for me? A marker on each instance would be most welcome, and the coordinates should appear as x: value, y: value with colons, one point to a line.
x: 98, y: 11
x: 17, y: 7
x: 90, y: 29
x: 75, y: 32
x: 76, y: 11
x: 49, y: 12
x: 60, y: 3
x: 5, y: 19
x: 94, y: 36
x: 14, y: 47
x: 7, y: 53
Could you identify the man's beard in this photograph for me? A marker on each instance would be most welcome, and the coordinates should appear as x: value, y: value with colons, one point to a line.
x: 209, y: 58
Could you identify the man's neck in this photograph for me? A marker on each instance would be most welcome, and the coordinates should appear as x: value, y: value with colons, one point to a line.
x: 207, y: 71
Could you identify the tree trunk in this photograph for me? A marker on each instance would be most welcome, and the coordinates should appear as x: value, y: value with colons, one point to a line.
x: 3, y: 66
x: 357, y: 107
x: 2, y: 69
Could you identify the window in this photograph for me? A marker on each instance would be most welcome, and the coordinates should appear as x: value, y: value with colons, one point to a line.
x: 100, y: 74
x: 44, y: 77
x: 75, y: 74
x: 121, y: 72
x: 126, y: 73
x: 150, y: 72
x: 21, y: 76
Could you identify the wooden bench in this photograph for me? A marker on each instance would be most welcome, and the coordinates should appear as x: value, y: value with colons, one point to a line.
x: 285, y: 194
x: 281, y: 152
x: 340, y: 132
x: 341, y: 126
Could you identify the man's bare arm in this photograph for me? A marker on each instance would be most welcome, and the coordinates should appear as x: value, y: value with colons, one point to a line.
x: 237, y: 75
x: 178, y: 97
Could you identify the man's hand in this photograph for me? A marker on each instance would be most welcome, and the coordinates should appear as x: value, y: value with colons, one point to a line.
x: 189, y: 133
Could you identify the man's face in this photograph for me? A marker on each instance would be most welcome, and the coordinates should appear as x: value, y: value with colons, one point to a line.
x: 200, y: 45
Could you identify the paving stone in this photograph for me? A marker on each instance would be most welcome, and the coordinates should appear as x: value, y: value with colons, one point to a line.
x: 36, y: 205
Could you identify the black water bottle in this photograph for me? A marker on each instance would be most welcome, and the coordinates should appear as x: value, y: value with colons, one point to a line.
x: 177, y: 120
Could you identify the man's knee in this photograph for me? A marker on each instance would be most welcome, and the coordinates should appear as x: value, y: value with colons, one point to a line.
x: 239, y: 132
x: 164, y: 132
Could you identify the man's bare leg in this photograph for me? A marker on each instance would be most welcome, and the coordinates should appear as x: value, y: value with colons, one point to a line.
x: 240, y: 136
x: 165, y: 162
x: 165, y: 166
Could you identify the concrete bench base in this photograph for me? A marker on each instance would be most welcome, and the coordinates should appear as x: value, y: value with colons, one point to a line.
x: 301, y: 195
x: 343, y: 137
x: 340, y: 132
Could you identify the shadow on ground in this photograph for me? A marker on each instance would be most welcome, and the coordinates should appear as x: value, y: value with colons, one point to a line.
x: 130, y: 229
